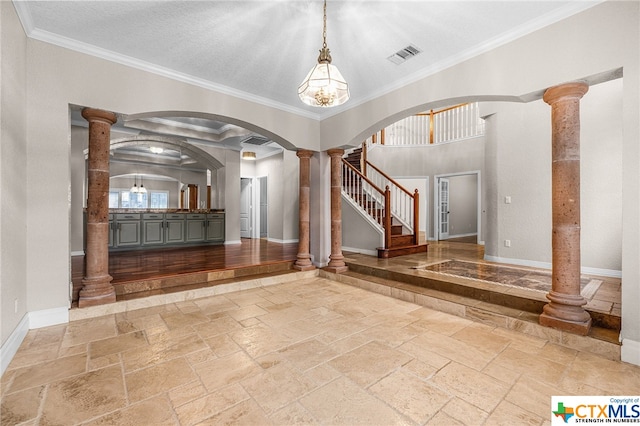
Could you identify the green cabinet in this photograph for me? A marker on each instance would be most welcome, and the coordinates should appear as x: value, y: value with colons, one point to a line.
x: 127, y: 230
x: 152, y: 229
x: 174, y: 228
x: 145, y: 230
x: 196, y: 231
x: 215, y: 227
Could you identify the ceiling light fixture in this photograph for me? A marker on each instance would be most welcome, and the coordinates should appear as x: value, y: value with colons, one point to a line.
x: 248, y: 155
x: 156, y: 150
x: 324, y: 86
x: 134, y: 189
x: 142, y: 189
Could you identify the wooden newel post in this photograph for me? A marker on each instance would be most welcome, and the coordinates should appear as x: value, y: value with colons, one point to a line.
x: 387, y: 217
x: 416, y: 217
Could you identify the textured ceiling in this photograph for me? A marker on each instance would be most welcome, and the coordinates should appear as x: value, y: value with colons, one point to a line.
x: 261, y: 50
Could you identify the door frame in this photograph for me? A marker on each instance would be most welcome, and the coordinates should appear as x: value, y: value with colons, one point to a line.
x: 436, y: 202
x: 251, y: 204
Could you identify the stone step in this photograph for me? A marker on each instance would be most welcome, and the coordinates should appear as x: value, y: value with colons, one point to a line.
x: 601, y: 340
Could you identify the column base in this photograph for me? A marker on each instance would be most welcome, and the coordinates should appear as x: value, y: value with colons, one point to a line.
x: 581, y: 328
x: 96, y: 291
x: 336, y: 269
x: 303, y: 267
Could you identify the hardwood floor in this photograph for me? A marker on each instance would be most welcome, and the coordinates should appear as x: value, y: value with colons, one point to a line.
x: 162, y: 263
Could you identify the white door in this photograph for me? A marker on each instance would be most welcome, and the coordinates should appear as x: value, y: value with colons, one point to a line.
x: 443, y: 208
x: 245, y: 208
x: 264, y: 206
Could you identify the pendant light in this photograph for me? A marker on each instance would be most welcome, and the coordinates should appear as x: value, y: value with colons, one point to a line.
x: 134, y: 189
x: 142, y: 189
x: 324, y: 86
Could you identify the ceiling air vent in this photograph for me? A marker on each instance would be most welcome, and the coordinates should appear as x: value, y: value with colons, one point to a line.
x: 256, y: 140
x: 403, y: 55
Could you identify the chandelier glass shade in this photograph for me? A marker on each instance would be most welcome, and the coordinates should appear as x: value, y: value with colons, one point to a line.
x: 324, y: 86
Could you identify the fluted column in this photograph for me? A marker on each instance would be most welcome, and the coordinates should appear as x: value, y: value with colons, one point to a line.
x: 303, y: 262
x: 565, y: 308
x: 336, y: 259
x: 96, y: 284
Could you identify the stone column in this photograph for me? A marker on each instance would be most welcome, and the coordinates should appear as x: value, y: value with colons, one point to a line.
x: 303, y: 263
x: 336, y: 259
x: 96, y: 285
x: 565, y: 308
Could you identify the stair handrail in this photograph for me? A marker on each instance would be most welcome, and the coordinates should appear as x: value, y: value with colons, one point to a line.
x: 383, y: 199
x: 407, y: 215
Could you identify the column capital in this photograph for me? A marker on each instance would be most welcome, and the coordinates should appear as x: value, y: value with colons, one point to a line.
x: 92, y: 114
x: 304, y: 153
x: 335, y: 152
x: 575, y: 90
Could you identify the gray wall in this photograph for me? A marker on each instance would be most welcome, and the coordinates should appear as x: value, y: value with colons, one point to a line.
x: 519, y: 137
x: 463, y: 205
x: 429, y: 161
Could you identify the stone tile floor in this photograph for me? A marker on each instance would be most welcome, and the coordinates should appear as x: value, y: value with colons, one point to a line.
x: 311, y: 351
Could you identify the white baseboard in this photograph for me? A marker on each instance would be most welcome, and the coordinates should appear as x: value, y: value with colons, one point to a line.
x: 226, y: 243
x: 30, y: 321
x: 547, y: 265
x: 10, y: 347
x: 361, y: 251
x: 274, y: 240
x: 472, y: 234
x: 77, y: 253
x: 630, y: 351
x: 47, y: 317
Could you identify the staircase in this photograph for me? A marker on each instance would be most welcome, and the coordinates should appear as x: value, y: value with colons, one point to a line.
x: 399, y: 221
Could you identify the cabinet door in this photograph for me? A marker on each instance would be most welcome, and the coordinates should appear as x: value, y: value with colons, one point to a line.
x: 152, y: 232
x: 174, y: 231
x: 128, y: 233
x: 195, y: 230
x: 215, y: 230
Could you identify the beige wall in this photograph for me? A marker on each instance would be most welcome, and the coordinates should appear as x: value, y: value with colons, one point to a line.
x: 13, y: 173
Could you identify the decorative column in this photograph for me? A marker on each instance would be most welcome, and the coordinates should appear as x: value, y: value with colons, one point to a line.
x: 303, y: 263
x: 96, y: 285
x: 336, y: 259
x: 565, y: 308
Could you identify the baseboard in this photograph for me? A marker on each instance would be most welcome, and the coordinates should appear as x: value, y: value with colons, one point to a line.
x: 361, y: 251
x: 274, y: 240
x: 10, y: 347
x: 547, y: 265
x: 77, y: 253
x: 630, y: 351
x: 227, y: 243
x: 472, y: 234
x: 47, y: 317
x: 30, y: 321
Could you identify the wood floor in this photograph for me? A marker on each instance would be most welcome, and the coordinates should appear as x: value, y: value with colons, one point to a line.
x: 161, y: 263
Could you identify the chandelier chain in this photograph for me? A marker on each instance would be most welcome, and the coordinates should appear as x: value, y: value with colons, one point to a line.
x: 324, y: 26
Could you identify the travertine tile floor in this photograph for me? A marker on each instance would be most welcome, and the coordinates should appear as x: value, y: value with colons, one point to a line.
x: 311, y: 351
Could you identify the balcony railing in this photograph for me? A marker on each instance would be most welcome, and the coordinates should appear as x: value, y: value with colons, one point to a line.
x: 433, y: 127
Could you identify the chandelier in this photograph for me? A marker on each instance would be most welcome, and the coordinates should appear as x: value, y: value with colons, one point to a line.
x: 324, y: 86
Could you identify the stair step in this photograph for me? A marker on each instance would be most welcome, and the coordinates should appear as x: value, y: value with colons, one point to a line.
x: 496, y: 309
x: 384, y: 253
x: 396, y: 229
x: 401, y: 241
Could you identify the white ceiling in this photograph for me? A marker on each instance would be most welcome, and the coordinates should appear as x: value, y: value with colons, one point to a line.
x: 261, y: 50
